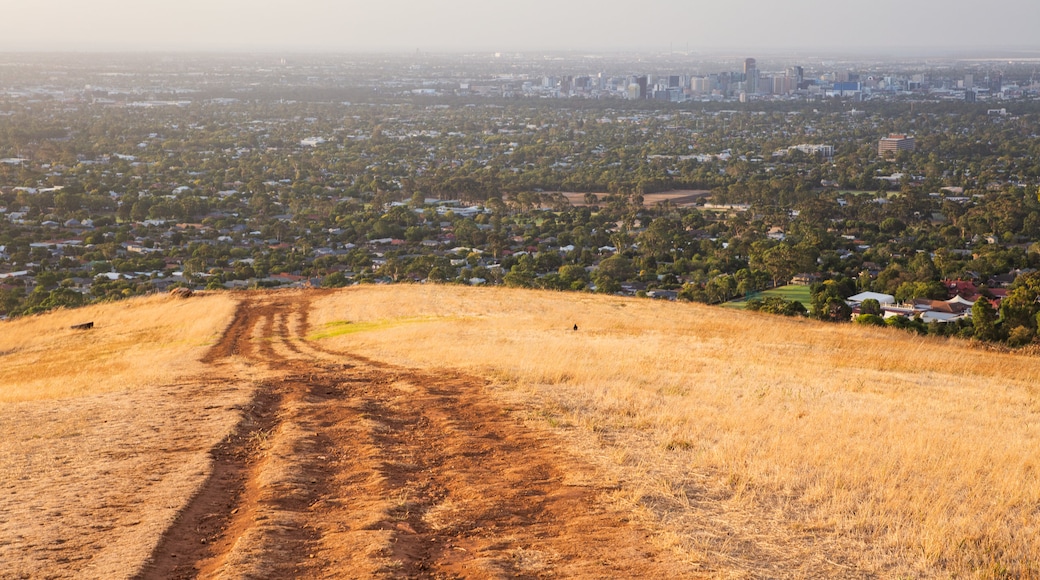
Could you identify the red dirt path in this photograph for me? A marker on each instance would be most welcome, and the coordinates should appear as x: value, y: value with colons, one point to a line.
x: 345, y: 467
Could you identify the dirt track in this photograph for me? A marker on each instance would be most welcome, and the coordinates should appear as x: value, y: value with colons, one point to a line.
x: 346, y: 467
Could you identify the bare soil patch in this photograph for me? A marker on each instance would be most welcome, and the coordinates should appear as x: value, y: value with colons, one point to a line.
x: 679, y: 197
x: 347, y: 467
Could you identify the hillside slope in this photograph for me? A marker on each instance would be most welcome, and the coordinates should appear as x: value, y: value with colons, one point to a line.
x: 763, y: 445
x: 441, y: 431
x: 104, y: 434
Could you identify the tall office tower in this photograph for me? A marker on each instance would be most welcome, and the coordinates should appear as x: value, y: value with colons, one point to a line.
x: 700, y: 85
x: 642, y: 81
x: 724, y: 82
x: 750, y: 76
x: 796, y: 73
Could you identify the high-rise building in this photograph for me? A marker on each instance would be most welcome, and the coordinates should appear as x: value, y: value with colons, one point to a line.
x: 720, y: 81
x: 701, y: 85
x: 642, y: 81
x: 894, y: 143
x: 796, y: 73
x: 750, y: 76
x: 996, y: 83
x: 782, y: 85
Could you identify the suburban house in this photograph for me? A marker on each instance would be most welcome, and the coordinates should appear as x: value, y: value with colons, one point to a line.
x: 883, y: 299
x: 927, y: 310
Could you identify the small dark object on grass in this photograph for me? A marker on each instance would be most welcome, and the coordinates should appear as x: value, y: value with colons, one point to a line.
x: 84, y: 326
x: 575, y: 327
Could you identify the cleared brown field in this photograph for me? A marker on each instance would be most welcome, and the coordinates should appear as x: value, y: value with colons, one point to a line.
x: 761, y: 446
x: 680, y: 197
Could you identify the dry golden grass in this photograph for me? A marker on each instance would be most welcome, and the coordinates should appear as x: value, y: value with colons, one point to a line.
x: 764, y: 446
x: 133, y: 343
x: 104, y: 434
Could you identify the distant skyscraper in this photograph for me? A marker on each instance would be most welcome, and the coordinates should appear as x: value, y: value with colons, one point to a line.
x: 796, y: 73
x: 750, y: 76
x: 642, y: 81
x: 700, y: 85
x: 996, y: 83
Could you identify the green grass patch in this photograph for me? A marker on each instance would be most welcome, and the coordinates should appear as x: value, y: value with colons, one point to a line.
x: 342, y: 327
x: 793, y: 292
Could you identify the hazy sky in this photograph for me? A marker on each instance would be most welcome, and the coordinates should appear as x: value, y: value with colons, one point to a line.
x: 509, y: 25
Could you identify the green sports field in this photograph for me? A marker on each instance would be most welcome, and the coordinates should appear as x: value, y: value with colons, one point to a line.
x: 789, y: 292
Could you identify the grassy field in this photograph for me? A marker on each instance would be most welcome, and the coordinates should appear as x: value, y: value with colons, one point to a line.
x: 790, y: 292
x: 754, y: 445
x: 105, y: 433
x: 146, y: 341
x: 762, y: 446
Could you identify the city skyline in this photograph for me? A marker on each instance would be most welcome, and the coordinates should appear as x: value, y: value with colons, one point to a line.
x: 888, y: 27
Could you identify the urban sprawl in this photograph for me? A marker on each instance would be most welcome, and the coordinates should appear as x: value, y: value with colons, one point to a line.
x: 900, y: 192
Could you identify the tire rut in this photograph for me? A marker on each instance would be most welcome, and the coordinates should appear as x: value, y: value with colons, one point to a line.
x: 348, y: 467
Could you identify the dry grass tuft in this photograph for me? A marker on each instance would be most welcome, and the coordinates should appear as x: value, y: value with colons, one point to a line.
x: 763, y: 445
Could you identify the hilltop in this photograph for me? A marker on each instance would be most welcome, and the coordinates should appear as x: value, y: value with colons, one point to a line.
x: 425, y: 430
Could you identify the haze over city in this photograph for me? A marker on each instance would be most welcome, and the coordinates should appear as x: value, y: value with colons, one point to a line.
x: 884, y: 27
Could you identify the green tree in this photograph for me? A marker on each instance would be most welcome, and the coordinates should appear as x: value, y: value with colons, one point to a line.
x: 41, y: 300
x: 870, y: 306
x: 1021, y: 336
x: 605, y: 283
x: 782, y: 261
x: 908, y: 291
x: 1021, y: 306
x: 776, y: 305
x: 573, y: 276
x: 617, y: 267
x: 11, y: 300
x: 519, y: 277
x: 984, y: 319
x: 334, y: 280
x: 828, y: 303
x: 870, y: 320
